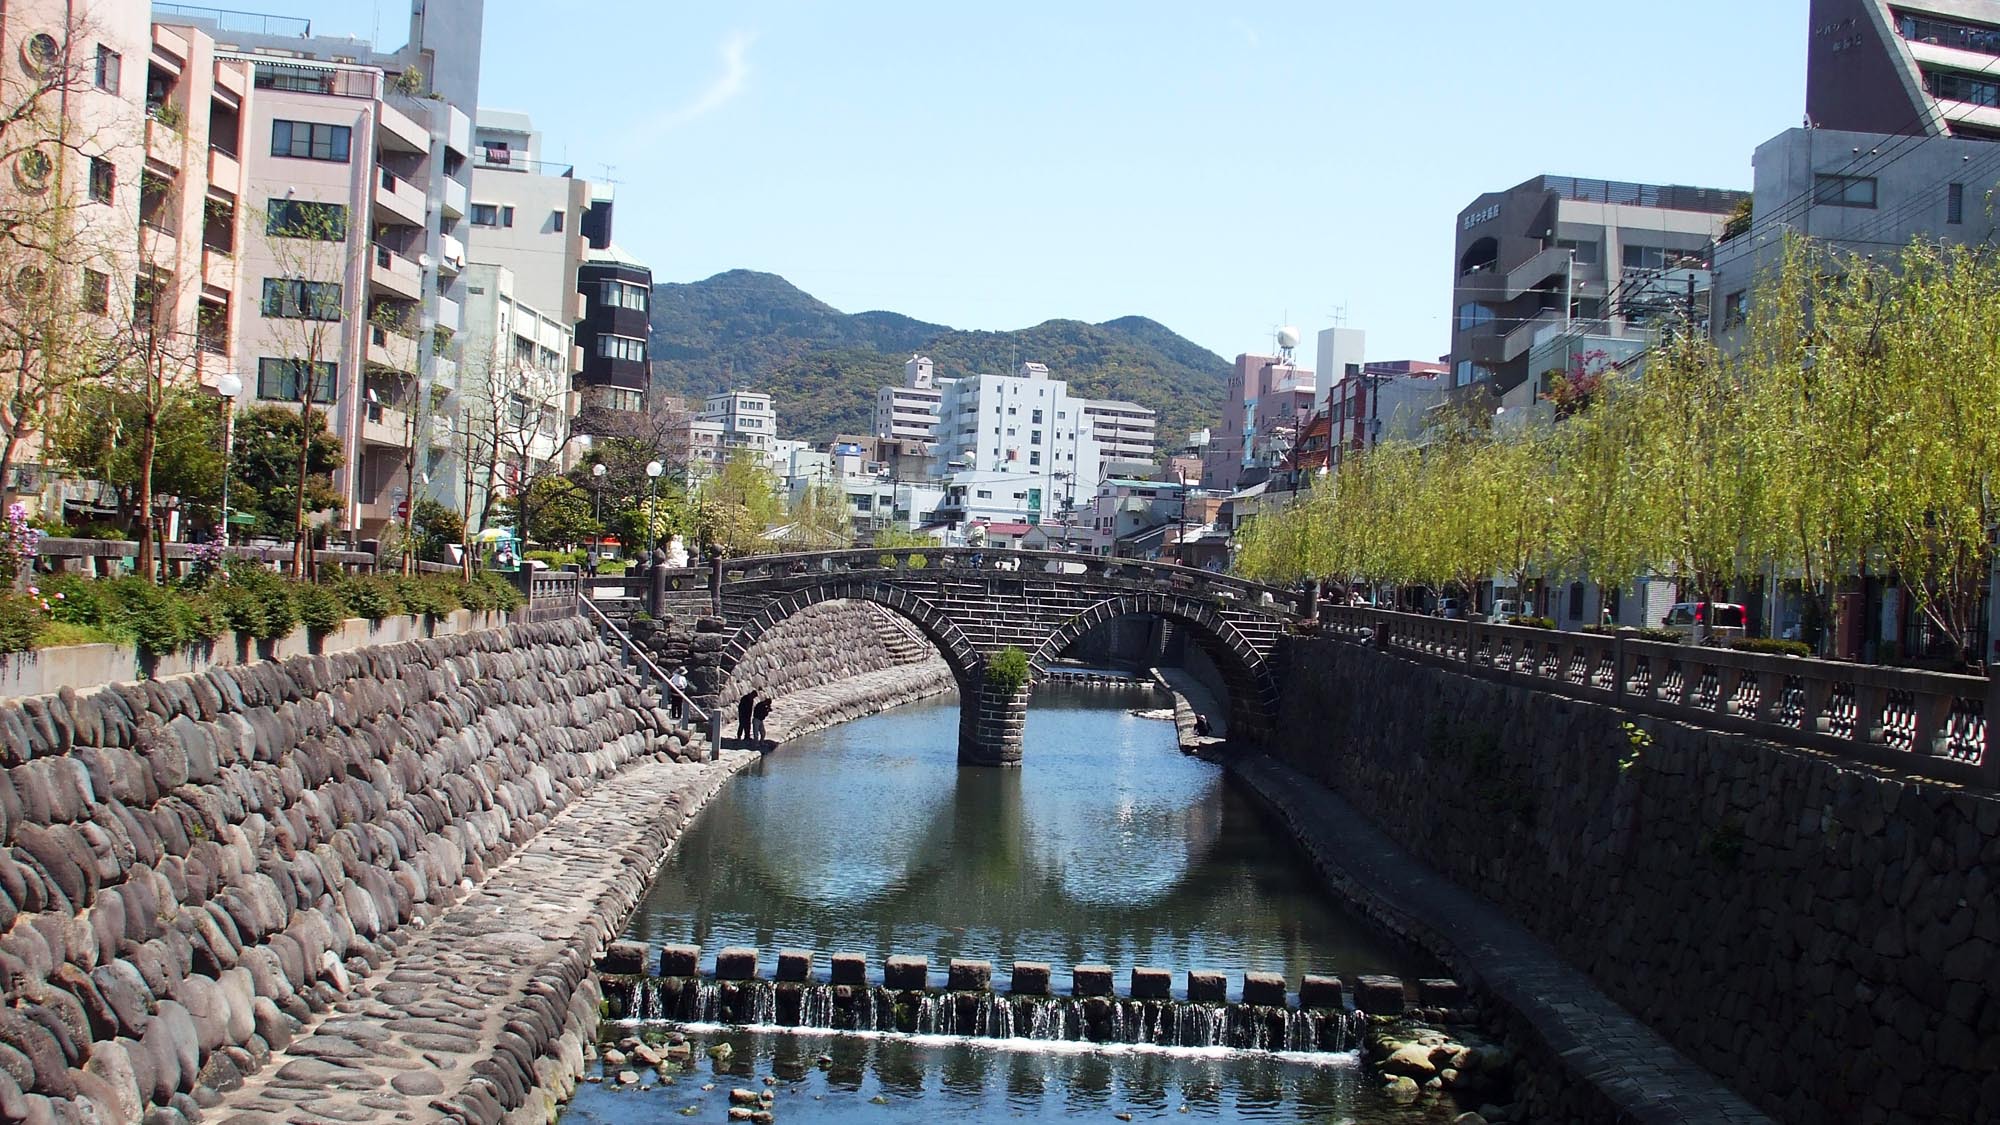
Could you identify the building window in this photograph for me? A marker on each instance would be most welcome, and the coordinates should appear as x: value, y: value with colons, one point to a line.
x: 110, y: 67
x: 310, y: 140
x: 621, y: 347
x: 556, y: 221
x: 1665, y: 257
x: 1963, y: 88
x: 1584, y: 249
x: 103, y: 179
x: 1034, y: 458
x: 492, y: 215
x: 1954, y: 203
x: 278, y: 380
x: 96, y: 292
x: 303, y: 218
x: 294, y: 299
x: 1472, y: 314
x: 624, y: 295
x: 1844, y: 191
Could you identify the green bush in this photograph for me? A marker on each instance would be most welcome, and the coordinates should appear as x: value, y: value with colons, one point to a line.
x: 1007, y: 670
x: 557, y: 559
x: 160, y: 619
x: 1532, y: 622
x: 370, y: 597
x: 78, y: 601
x: 258, y: 603
x: 320, y: 608
x: 1772, y: 645
x: 488, y: 591
x: 429, y: 597
x: 21, y: 620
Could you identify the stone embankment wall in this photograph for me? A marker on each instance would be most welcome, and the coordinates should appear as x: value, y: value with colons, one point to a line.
x: 194, y: 867
x: 1823, y: 937
x: 822, y: 644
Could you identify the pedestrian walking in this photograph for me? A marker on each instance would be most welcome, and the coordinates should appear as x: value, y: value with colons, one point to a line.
x: 679, y: 682
x: 744, y: 707
x: 757, y: 716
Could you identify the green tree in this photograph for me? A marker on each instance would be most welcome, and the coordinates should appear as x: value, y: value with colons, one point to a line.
x: 265, y: 480
x: 819, y: 519
x: 435, y: 529
x: 734, y: 507
x: 96, y: 435
x: 553, y: 511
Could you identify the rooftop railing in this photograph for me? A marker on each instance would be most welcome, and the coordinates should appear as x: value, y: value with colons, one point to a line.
x: 243, y: 23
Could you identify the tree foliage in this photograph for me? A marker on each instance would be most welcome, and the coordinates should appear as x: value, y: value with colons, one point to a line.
x: 265, y: 480
x: 733, y: 508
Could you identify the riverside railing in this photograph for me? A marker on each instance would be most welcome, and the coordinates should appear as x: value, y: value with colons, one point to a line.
x: 710, y: 721
x: 1930, y: 723
x: 104, y: 558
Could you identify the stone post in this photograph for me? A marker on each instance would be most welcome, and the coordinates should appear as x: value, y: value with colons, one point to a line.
x: 990, y: 722
x: 656, y: 603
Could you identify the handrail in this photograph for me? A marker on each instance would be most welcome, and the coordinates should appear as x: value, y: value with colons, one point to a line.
x: 1935, y: 724
x: 688, y: 706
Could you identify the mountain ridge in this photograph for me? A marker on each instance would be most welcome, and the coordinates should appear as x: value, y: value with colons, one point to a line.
x: 749, y: 329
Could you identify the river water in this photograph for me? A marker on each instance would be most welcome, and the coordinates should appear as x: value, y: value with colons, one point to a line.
x: 1106, y: 846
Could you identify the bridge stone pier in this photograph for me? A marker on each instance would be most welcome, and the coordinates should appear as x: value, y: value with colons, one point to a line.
x: 972, y: 604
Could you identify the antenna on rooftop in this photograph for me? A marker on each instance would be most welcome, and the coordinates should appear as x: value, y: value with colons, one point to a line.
x: 1339, y: 315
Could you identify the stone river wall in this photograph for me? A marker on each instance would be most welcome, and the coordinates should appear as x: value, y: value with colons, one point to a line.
x: 1824, y: 937
x: 193, y: 868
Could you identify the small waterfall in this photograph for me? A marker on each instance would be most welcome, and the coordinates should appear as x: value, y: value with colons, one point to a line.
x: 1103, y: 1019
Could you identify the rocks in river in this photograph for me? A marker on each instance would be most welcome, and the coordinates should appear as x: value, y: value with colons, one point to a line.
x: 1427, y: 1056
x: 1208, y: 987
x: 1090, y: 980
x: 1030, y: 978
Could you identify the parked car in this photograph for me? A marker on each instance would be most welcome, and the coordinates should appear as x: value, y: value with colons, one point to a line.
x: 1503, y: 611
x: 1451, y: 609
x: 1718, y: 621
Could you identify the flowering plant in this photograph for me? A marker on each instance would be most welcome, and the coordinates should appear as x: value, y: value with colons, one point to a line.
x: 17, y: 545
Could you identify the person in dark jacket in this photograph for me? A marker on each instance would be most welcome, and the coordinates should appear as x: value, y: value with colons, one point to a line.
x: 757, y: 716
x: 744, y: 707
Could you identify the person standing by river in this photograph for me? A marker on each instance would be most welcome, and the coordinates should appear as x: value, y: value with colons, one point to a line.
x: 744, y: 707
x: 757, y: 716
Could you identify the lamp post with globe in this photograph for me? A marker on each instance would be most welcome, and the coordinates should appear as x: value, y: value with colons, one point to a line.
x: 597, y: 472
x: 653, y: 471
x: 229, y: 386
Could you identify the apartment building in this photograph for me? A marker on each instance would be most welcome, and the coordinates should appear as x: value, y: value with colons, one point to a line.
x: 613, y: 337
x: 1024, y: 426
x: 355, y: 189
x: 517, y: 368
x: 748, y: 421
x: 1904, y: 102
x: 1556, y: 250
x: 910, y: 412
x: 1125, y: 431
x: 1268, y: 402
x: 1385, y: 401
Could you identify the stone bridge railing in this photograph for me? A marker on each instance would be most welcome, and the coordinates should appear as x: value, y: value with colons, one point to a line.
x: 1133, y: 574
x: 1927, y: 723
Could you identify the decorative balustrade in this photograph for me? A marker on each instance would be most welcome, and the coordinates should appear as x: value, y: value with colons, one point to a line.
x: 1928, y: 723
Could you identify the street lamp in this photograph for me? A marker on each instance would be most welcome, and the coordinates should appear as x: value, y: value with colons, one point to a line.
x: 229, y: 385
x: 597, y: 499
x: 653, y: 471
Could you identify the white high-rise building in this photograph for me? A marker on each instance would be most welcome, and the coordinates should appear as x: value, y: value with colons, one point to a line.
x: 748, y: 421
x: 1125, y: 431
x: 1025, y: 425
x: 910, y: 412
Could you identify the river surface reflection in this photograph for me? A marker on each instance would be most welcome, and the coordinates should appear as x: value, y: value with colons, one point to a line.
x: 1106, y: 846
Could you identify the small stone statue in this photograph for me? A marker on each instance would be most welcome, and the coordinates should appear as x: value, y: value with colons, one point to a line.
x: 677, y: 552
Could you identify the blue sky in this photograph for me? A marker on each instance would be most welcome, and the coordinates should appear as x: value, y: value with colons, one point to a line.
x: 1221, y: 168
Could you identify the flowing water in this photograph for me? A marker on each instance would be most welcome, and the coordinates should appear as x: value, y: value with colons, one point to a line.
x: 1108, y: 846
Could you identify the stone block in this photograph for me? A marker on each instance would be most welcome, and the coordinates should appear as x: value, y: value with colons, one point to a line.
x: 1090, y: 980
x: 1379, y: 996
x: 970, y: 976
x: 1266, y: 989
x: 1319, y: 992
x: 1152, y: 984
x: 1436, y: 992
x: 905, y: 973
x: 736, y: 962
x: 1031, y: 978
x: 850, y: 968
x: 1207, y: 987
x: 795, y: 964
x: 623, y: 957
x: 680, y: 960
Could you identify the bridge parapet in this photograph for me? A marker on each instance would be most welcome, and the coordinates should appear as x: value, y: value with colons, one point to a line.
x: 1929, y: 723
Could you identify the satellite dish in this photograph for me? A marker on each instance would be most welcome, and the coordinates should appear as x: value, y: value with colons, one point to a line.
x: 1288, y: 337
x: 424, y: 261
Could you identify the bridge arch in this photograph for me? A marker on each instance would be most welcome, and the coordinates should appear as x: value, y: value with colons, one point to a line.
x: 1253, y: 691
x: 958, y: 652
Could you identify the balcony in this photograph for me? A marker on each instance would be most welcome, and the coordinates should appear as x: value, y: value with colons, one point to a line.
x: 397, y: 200
x: 381, y: 425
x: 454, y: 199
x: 441, y: 433
x: 404, y: 130
x: 159, y: 247
x: 458, y: 131
x: 391, y: 350
x: 163, y: 144
x: 452, y: 254
x: 170, y: 49
x: 218, y: 270
x: 232, y: 80
x: 448, y: 314
x: 225, y: 172
x: 396, y: 274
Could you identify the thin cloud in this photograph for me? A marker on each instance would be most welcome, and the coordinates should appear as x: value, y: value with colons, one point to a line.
x: 727, y: 86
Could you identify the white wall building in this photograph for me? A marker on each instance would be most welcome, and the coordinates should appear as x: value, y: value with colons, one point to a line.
x: 514, y: 387
x: 910, y: 412
x: 1125, y: 431
x: 1024, y: 428
x: 748, y: 421
x: 527, y: 215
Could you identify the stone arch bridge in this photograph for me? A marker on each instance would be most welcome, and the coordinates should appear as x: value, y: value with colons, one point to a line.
x: 972, y: 604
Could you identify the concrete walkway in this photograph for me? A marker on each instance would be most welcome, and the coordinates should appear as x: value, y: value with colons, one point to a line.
x: 495, y: 993
x: 1600, y: 1043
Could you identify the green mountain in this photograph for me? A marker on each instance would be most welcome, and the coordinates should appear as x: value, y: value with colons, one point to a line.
x: 756, y: 330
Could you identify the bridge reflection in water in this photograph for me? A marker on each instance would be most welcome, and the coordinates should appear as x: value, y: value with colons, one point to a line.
x: 1114, y: 849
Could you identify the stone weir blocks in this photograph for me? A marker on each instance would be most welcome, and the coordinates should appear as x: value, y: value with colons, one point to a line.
x: 972, y: 604
x: 1375, y: 995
